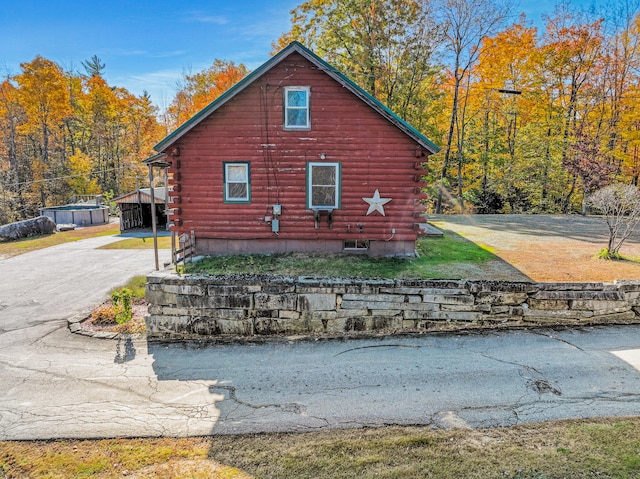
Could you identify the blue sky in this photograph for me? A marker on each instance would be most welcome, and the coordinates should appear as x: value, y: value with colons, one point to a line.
x: 144, y: 44
x: 149, y: 45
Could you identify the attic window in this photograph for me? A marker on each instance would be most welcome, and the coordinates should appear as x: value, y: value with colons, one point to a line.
x: 296, y: 108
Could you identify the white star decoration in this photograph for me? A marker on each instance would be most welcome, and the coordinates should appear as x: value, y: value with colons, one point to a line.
x: 376, y: 203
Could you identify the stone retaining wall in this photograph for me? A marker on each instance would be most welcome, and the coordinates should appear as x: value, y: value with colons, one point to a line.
x: 198, y: 305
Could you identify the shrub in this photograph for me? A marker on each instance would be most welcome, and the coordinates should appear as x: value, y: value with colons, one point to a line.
x: 122, y: 304
x: 604, y: 253
x: 105, y: 314
x: 486, y: 201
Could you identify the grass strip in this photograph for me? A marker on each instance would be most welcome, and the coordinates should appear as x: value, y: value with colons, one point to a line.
x: 437, y: 259
x: 136, y: 285
x: 596, y: 448
x: 164, y: 242
x: 14, y: 248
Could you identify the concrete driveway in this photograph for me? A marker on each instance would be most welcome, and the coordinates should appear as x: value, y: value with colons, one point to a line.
x: 54, y: 384
x: 47, y: 372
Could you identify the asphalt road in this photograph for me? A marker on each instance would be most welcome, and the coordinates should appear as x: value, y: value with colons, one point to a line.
x: 54, y: 384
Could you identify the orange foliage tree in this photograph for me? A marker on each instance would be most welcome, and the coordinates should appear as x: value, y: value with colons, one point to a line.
x: 200, y: 89
x: 64, y: 133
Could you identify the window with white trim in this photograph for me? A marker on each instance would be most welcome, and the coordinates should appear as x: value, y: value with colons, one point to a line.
x: 236, y: 183
x: 296, y: 108
x: 323, y: 186
x: 356, y: 245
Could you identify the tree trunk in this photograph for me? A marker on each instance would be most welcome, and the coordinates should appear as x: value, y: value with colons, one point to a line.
x: 447, y: 153
x: 567, y: 199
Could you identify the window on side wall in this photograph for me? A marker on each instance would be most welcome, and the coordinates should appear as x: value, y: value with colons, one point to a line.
x: 323, y: 186
x: 297, y: 108
x: 358, y: 245
x: 236, y: 183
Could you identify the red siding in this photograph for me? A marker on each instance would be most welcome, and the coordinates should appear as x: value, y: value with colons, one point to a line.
x: 373, y: 153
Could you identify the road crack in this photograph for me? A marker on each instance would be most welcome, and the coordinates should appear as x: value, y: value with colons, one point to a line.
x: 555, y: 338
x: 399, y: 346
x: 536, y: 380
x: 286, y: 407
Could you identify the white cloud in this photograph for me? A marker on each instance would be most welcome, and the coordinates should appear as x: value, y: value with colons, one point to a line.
x: 169, y: 54
x: 161, y: 84
x: 122, y: 52
x: 202, y: 17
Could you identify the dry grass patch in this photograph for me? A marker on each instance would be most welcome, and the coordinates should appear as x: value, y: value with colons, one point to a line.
x: 568, y: 449
x: 116, y: 458
x: 599, y: 448
x: 14, y: 248
x: 164, y: 242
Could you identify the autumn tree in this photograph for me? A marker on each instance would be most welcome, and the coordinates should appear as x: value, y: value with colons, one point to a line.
x: 11, y: 169
x: 80, y: 180
x: 573, y: 54
x: 44, y: 96
x: 114, y: 128
x: 622, y: 128
x: 552, y: 115
x: 199, y: 89
x: 465, y: 23
x: 590, y: 164
x: 385, y: 46
x: 64, y: 133
x: 497, y: 108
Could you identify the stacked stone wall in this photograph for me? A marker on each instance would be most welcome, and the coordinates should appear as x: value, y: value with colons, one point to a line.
x: 214, y: 305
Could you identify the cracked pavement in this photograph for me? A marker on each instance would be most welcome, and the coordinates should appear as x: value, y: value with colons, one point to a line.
x: 54, y: 384
x: 476, y: 380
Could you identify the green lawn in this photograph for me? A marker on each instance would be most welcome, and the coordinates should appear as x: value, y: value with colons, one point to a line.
x: 437, y: 259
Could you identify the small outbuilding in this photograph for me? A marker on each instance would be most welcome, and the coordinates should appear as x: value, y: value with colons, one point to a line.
x: 135, y: 208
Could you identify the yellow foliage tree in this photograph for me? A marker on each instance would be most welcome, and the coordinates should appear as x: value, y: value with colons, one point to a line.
x: 80, y: 180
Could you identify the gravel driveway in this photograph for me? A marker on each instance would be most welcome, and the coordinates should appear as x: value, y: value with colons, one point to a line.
x: 547, y: 247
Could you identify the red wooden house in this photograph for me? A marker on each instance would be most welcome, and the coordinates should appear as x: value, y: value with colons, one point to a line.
x: 296, y: 157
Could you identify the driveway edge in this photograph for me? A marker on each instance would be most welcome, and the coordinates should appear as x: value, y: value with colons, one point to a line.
x: 74, y: 326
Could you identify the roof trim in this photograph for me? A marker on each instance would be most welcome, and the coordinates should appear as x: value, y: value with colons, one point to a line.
x: 159, y: 159
x: 320, y: 63
x: 158, y: 194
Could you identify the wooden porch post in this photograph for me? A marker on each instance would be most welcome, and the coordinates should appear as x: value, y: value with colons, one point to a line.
x: 153, y: 217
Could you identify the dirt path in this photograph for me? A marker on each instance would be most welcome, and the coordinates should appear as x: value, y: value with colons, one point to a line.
x: 547, y: 247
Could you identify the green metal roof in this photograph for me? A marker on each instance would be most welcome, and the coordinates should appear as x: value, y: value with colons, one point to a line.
x: 320, y: 63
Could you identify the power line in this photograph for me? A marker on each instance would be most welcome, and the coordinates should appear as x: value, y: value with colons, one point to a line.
x: 56, y: 178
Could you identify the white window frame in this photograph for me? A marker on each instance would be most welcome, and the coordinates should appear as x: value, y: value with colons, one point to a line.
x: 247, y: 181
x: 287, y: 108
x: 337, y: 185
x: 355, y: 245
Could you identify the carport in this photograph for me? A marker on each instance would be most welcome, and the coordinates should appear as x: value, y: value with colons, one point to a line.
x: 135, y: 208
